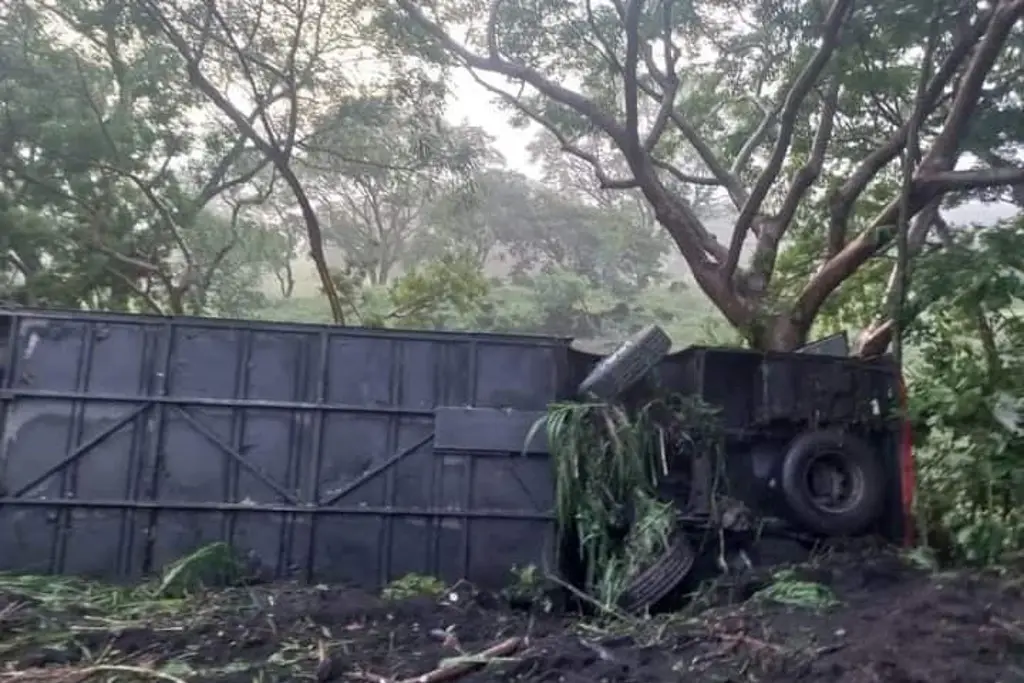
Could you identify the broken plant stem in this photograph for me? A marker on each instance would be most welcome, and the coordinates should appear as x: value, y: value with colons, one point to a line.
x: 589, y: 599
x: 92, y: 671
x: 456, y: 667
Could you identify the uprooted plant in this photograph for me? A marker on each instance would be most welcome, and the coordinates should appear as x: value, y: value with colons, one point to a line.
x: 608, y: 463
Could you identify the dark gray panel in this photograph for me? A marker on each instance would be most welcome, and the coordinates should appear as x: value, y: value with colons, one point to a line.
x: 41, y: 431
x: 838, y: 345
x: 177, y: 533
x: 205, y: 362
x: 347, y: 549
x: 191, y: 469
x: 519, y: 484
x: 498, y: 545
x: 410, y: 551
x: 27, y: 538
x: 93, y: 541
x: 130, y: 441
x: 490, y: 430
x: 49, y: 354
x: 516, y: 376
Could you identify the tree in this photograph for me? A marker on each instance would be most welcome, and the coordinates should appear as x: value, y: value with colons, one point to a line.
x: 397, y: 161
x: 238, y: 253
x: 530, y: 227
x: 107, y: 188
x: 290, y: 75
x: 276, y: 55
x: 968, y: 380
x: 790, y: 107
x: 67, y: 217
x: 435, y: 295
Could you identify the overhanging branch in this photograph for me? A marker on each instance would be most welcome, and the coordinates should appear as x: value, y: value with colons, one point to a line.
x: 772, y: 231
x: 974, y: 179
x: 790, y: 113
x: 567, y: 145
x: 629, y: 76
x: 739, y: 164
x: 669, y: 84
x: 519, y: 72
x: 939, y: 159
x: 693, y: 239
x: 841, y: 201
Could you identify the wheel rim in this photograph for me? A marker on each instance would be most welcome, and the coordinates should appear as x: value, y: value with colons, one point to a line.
x: 832, y: 483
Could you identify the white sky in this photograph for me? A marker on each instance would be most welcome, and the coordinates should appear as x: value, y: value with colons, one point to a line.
x: 475, y: 104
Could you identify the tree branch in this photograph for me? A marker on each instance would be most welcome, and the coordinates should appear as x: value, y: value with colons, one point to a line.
x: 686, y: 178
x: 146, y: 297
x: 996, y: 161
x: 216, y: 184
x: 279, y: 157
x: 606, y: 49
x: 567, y: 145
x: 794, y: 100
x: 159, y: 206
x: 877, y: 338
x: 772, y: 231
x: 629, y: 76
x: 842, y: 200
x: 669, y: 83
x: 247, y: 73
x: 668, y: 100
x: 221, y: 255
x: 737, y: 193
x: 519, y: 72
x: 973, y: 179
x: 811, y: 170
x: 768, y: 119
x: 940, y: 158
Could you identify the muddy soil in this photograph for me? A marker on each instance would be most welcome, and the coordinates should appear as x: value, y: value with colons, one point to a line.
x: 850, y: 619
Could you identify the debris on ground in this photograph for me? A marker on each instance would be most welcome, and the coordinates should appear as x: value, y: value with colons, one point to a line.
x: 842, y: 619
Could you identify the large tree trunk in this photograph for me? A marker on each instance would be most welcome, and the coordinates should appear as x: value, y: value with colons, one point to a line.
x: 780, y: 332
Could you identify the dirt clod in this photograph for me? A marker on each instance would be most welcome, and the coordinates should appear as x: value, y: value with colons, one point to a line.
x: 883, y: 622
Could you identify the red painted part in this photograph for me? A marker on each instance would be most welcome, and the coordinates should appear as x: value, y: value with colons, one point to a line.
x: 908, y: 471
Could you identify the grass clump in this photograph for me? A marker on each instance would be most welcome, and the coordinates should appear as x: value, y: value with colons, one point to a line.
x: 211, y: 565
x: 608, y: 462
x: 788, y: 589
x: 215, y: 564
x: 414, y: 586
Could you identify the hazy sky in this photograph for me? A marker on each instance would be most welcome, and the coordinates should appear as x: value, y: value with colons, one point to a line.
x: 474, y: 103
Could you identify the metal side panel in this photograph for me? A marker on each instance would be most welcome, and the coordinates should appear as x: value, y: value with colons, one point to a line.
x: 127, y: 442
x: 490, y: 430
x: 835, y: 345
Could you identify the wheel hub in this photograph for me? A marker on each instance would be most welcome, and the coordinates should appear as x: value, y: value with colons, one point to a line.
x: 832, y: 483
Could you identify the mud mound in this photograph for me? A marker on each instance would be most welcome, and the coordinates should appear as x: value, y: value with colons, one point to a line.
x: 854, y: 619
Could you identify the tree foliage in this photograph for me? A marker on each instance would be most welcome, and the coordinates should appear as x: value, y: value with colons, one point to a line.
x: 109, y: 195
x: 531, y: 227
x: 375, y: 199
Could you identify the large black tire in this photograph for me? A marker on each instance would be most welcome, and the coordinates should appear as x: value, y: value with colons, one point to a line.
x: 849, y: 457
x: 627, y: 365
x: 653, y: 584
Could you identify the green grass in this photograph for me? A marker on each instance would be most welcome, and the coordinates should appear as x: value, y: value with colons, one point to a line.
x: 788, y: 589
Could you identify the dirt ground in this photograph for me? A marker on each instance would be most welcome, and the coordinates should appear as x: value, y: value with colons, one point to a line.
x: 859, y: 619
